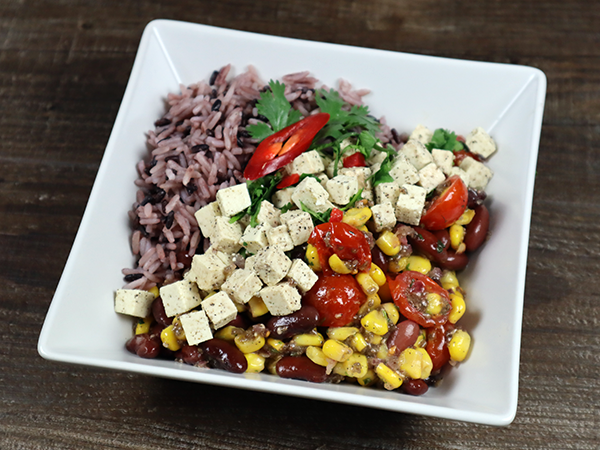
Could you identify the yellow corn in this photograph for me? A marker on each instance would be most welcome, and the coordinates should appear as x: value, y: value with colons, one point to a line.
x: 411, y: 363
x: 209, y: 294
x: 306, y: 339
x: 458, y: 307
x: 168, y: 338
x: 449, y: 280
x: 457, y: 234
x: 178, y: 329
x: 312, y: 258
x: 357, y: 217
x: 143, y: 325
x: 388, y: 243
x: 434, y: 304
x: 392, y: 312
x: 367, y: 284
x: 257, y: 307
x: 377, y: 274
x: 336, y: 350
x: 338, y: 266
x: 256, y: 363
x: 368, y: 379
x: 154, y: 291
x: 398, y: 265
x: 426, y: 363
x: 466, y: 217
x: 277, y: 344
x: 341, y: 333
x: 375, y: 322
x: 228, y: 333
x: 418, y: 264
x: 459, y: 345
x: 316, y: 355
x: 249, y: 342
x: 355, y: 366
x: 364, y: 229
x: 382, y: 351
x: 373, y: 301
x: 421, y: 339
x: 240, y: 307
x: 391, y: 379
x: 359, y: 342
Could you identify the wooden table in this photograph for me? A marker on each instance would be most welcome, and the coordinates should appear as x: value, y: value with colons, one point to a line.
x: 63, y: 71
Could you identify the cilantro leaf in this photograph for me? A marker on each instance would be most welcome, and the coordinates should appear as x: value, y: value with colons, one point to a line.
x: 318, y: 218
x: 259, y: 190
x: 286, y: 207
x: 259, y: 130
x: 356, y: 197
x: 383, y: 174
x: 444, y: 140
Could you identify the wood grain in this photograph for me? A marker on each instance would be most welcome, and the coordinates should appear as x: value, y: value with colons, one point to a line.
x: 63, y: 70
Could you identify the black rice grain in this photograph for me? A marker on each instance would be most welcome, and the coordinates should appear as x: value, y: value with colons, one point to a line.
x: 216, y: 105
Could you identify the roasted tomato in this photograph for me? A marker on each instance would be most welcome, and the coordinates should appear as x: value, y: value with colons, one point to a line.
x: 448, y: 206
x: 437, y: 347
x: 337, y: 298
x: 284, y: 146
x: 412, y: 294
x: 462, y: 154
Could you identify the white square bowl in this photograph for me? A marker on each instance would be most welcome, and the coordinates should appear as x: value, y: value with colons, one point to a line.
x: 81, y: 326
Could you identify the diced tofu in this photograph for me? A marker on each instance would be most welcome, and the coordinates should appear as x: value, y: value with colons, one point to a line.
x: 384, y: 216
x: 244, y: 221
x: 299, y: 224
x: 234, y: 199
x: 376, y: 157
x: 250, y: 262
x: 242, y: 285
x: 341, y: 189
x: 207, y: 271
x: 331, y: 167
x: 314, y: 196
x: 443, y: 159
x: 410, y: 204
x: 302, y: 275
x: 322, y: 178
x: 307, y: 162
x: 402, y: 171
x: 387, y: 192
x: 422, y: 134
x: 205, y: 217
x: 180, y: 297
x: 227, y: 235
x: 361, y: 174
x: 268, y: 214
x: 280, y: 238
x: 282, y: 197
x: 479, y: 174
x: 282, y: 299
x: 196, y: 327
x: 220, y: 309
x: 134, y: 302
x: 417, y: 153
x: 461, y: 173
x: 480, y: 142
x: 255, y: 238
x: 272, y: 265
x: 430, y: 177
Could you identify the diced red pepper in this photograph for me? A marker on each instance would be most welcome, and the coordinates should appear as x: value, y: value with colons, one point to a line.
x: 355, y: 160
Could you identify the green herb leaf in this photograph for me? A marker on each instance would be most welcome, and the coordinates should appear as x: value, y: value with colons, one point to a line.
x: 259, y: 190
x: 318, y: 218
x: 356, y: 197
x: 383, y: 174
x: 444, y: 140
x: 287, y: 207
x: 367, y: 142
x: 439, y: 246
x: 275, y: 107
x: 259, y: 131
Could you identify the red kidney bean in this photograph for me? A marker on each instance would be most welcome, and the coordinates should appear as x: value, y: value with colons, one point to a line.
x: 415, y: 387
x: 189, y: 354
x: 300, y: 368
x: 454, y: 261
x: 379, y: 258
x: 239, y: 321
x: 144, y: 345
x: 301, y: 321
x: 405, y: 335
x: 443, y: 237
x: 476, y: 198
x: 158, y: 311
x: 156, y: 328
x: 225, y: 356
x: 428, y: 244
x: 477, y: 229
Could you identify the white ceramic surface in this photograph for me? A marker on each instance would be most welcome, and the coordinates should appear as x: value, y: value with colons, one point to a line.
x: 81, y: 326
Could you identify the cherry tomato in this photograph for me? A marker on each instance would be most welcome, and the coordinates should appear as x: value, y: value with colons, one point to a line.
x: 348, y: 243
x: 410, y: 290
x: 288, y: 181
x: 448, y: 207
x: 337, y: 298
x: 336, y: 215
x: 462, y: 154
x: 437, y: 347
x: 284, y: 146
x: 355, y: 160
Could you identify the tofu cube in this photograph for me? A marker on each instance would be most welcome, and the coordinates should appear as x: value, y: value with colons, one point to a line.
x: 282, y: 299
x: 461, y: 173
x: 250, y: 262
x: 255, y: 238
x: 410, y: 204
x: 479, y: 174
x: 384, y: 216
x: 417, y: 154
x: 242, y: 285
x: 422, y: 134
x: 331, y: 168
x: 282, y: 197
x: 302, y: 275
x: 220, y: 309
x: 180, y: 297
x: 299, y: 224
x: 268, y: 214
x: 234, y: 199
x: 307, y: 162
x: 196, y: 327
x: 402, y: 171
x: 443, y: 159
x: 430, y: 177
x: 376, y: 157
x: 206, y: 216
x: 387, y: 193
x: 314, y: 196
x: 322, y: 178
x: 280, y: 238
x: 362, y: 175
x: 341, y: 189
x: 134, y: 302
x: 272, y: 265
x: 207, y: 271
x: 481, y: 143
x: 227, y: 235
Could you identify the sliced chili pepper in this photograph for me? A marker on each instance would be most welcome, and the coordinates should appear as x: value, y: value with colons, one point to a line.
x: 288, y: 180
x: 336, y: 215
x: 462, y: 154
x: 355, y: 160
x: 284, y: 146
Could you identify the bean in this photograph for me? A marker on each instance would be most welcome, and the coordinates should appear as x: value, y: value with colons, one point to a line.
x: 300, y: 368
x: 144, y: 345
x: 239, y: 321
x: 415, y: 387
x: 405, y: 335
x: 158, y: 311
x: 189, y: 354
x: 443, y: 237
x: 454, y: 261
x: 427, y: 243
x: 380, y: 259
x: 225, y: 356
x: 476, y: 198
x: 301, y: 321
x: 477, y: 229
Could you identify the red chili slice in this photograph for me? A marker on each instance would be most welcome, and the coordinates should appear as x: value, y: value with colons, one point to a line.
x: 355, y: 160
x: 288, y: 181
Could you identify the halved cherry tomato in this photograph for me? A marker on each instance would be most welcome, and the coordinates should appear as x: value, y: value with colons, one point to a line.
x: 437, y: 346
x: 337, y: 298
x: 355, y: 160
x: 288, y: 180
x: 336, y: 215
x: 345, y: 241
x: 410, y: 289
x: 284, y: 146
x: 448, y: 207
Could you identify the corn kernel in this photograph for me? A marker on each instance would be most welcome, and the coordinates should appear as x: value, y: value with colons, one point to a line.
x: 336, y: 350
x: 178, y: 329
x: 426, y: 363
x: 434, y: 303
x: 458, y: 307
x: 209, y: 294
x: 228, y: 333
x: 256, y: 363
x: 466, y: 217
x: 391, y: 379
x: 249, y: 342
x: 373, y: 301
x: 418, y: 264
x: 306, y: 339
x: 377, y: 274
x: 367, y: 284
x: 375, y: 322
x: 316, y: 355
x: 240, y: 307
x: 312, y: 258
x: 364, y: 229
x: 277, y: 344
x: 154, y: 291
x: 459, y: 345
x: 168, y: 338
x: 457, y: 234
x: 341, y: 333
x: 373, y: 338
x: 338, y: 266
x: 355, y: 366
x: 357, y: 217
x: 358, y: 342
x: 143, y: 325
x: 449, y: 280
x: 398, y: 265
x: 421, y: 339
x: 257, y: 307
x: 411, y: 363
x: 368, y: 379
x: 388, y: 243
x: 392, y: 312
x: 382, y: 351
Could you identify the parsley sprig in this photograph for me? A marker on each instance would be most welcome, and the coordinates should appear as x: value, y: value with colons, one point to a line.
x: 444, y: 140
x: 259, y: 190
